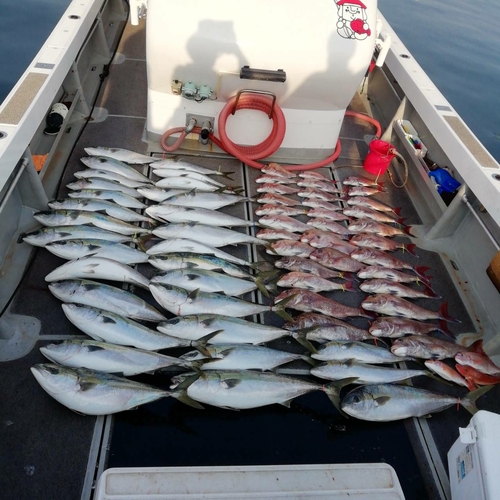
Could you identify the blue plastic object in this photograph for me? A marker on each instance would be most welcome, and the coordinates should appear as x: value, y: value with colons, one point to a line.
x: 445, y: 182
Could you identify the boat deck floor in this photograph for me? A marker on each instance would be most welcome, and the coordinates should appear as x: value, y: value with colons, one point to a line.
x: 50, y: 452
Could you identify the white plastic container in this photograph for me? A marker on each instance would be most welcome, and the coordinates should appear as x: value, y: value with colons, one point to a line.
x: 474, y: 459
x: 413, y: 138
x: 290, y: 482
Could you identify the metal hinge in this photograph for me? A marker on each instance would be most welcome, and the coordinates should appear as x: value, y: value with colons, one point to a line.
x: 138, y: 9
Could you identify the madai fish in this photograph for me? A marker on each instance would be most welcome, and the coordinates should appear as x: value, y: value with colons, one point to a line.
x: 93, y: 393
x: 380, y: 272
x: 426, y: 348
x: 397, y: 289
x: 109, y: 298
x: 98, y: 268
x: 115, y: 166
x: 396, y: 306
x: 304, y: 300
x: 274, y: 179
x: 109, y: 358
x: 105, y: 326
x: 374, y: 227
x: 179, y: 301
x: 334, y: 259
x: 398, y: 327
x: 381, y: 243
x: 362, y: 181
x: 388, y: 402
x: 120, y: 155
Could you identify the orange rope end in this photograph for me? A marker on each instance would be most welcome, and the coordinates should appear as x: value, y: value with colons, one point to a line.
x: 39, y: 161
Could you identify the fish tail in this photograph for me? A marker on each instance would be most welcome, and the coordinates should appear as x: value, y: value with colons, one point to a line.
x: 430, y: 292
x: 348, y: 286
x: 477, y: 346
x: 301, y: 337
x: 279, y: 308
x: 470, y: 384
x: 227, y: 175
x: 269, y: 247
x: 443, y: 328
x: 410, y: 248
x: 348, y: 276
x: 201, y: 343
x: 259, y: 283
x: 443, y: 314
x: 381, y: 186
x: 407, y: 230
x: 367, y: 314
x: 397, y: 210
x: 307, y: 358
x: 180, y: 392
x: 332, y: 390
x: 469, y: 402
x: 400, y: 221
x: 420, y: 271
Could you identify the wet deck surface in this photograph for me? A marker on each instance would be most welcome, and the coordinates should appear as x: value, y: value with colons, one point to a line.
x: 45, y: 447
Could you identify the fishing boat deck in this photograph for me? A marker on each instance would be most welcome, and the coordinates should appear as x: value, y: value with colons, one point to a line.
x: 49, y: 452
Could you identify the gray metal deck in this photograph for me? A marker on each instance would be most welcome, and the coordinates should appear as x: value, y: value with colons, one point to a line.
x: 48, y: 452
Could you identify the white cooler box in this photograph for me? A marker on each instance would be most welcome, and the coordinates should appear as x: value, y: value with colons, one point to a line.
x: 474, y: 459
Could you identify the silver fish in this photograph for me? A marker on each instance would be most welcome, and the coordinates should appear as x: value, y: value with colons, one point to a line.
x: 93, y: 393
x: 210, y: 235
x: 180, y: 302
x: 165, y: 173
x: 395, y: 306
x: 76, y: 249
x: 205, y: 281
x: 389, y: 402
x: 120, y: 155
x: 92, y: 173
x: 245, y: 389
x: 115, y: 166
x: 97, y: 268
x: 114, y: 329
x: 159, y: 195
x: 212, y: 201
x: 104, y: 194
x: 343, y: 351
x: 173, y: 164
x: 57, y: 218
x: 48, y: 235
x: 105, y: 297
x: 243, y: 357
x: 186, y: 182
x: 174, y: 213
x: 364, y: 374
x: 181, y: 245
x: 230, y: 330
x: 101, y: 184
x: 109, y: 358
x: 96, y: 205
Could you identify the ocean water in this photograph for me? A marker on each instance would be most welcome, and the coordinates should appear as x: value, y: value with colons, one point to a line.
x: 456, y: 42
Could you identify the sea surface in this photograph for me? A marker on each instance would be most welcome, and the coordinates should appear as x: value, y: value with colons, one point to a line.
x: 456, y: 42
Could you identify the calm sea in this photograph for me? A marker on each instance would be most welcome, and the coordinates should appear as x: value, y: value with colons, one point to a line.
x: 457, y: 43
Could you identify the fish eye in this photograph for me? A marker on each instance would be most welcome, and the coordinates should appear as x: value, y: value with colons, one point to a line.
x: 52, y: 370
x: 174, y: 321
x: 356, y: 399
x: 102, y: 160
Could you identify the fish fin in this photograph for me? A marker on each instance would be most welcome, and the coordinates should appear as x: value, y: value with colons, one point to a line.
x: 332, y: 390
x: 443, y: 313
x: 96, y: 348
x: 86, y: 386
x: 307, y: 358
x: 192, y: 295
x: 227, y: 175
x: 477, y: 346
x: 400, y: 221
x: 380, y: 401
x: 260, y: 285
x: 184, y: 398
x: 469, y: 402
x: 410, y: 248
x: 286, y: 403
x: 470, y: 384
x: 229, y: 383
x: 201, y: 343
x: 192, y: 277
x: 367, y: 314
x: 270, y: 249
x: 349, y: 362
x: 428, y: 415
x: 89, y: 268
x: 279, y: 308
x: 420, y: 271
x: 407, y: 230
x: 397, y: 210
x: 430, y: 292
x: 300, y: 337
x: 107, y: 319
x: 348, y: 285
x: 443, y: 328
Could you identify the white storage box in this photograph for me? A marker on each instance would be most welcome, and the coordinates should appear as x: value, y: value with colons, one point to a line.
x: 290, y: 482
x: 474, y: 459
x: 413, y: 138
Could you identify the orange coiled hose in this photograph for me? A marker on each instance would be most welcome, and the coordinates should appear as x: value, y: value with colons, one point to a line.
x: 248, y: 154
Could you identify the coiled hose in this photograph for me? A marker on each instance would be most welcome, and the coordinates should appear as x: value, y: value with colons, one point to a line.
x: 248, y: 154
